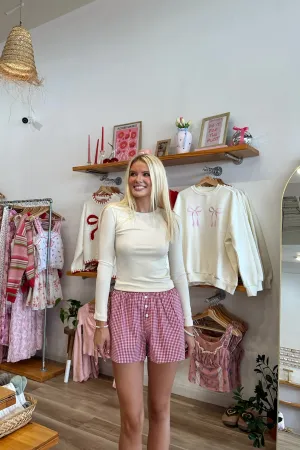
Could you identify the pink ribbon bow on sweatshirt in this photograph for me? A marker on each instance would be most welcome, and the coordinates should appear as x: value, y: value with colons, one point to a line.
x: 195, y: 213
x: 214, y: 215
x: 242, y: 130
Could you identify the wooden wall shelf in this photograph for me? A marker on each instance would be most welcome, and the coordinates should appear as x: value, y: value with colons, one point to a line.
x: 199, y: 156
x: 239, y: 288
x: 292, y: 404
x: 289, y: 383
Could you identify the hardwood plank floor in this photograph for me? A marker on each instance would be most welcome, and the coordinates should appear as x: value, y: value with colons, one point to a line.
x: 86, y: 416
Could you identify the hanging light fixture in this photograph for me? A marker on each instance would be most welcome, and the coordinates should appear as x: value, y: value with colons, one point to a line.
x: 17, y: 60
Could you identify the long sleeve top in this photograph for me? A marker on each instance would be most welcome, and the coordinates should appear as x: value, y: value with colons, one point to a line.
x: 88, y: 235
x: 217, y: 244
x: 145, y: 260
x: 22, y: 259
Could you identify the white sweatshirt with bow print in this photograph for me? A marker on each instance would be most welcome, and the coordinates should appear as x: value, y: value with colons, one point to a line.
x: 217, y: 244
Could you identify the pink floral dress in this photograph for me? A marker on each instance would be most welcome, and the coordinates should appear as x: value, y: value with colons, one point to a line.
x: 38, y: 298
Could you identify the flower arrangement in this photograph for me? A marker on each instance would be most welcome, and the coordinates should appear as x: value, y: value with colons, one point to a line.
x: 181, y: 123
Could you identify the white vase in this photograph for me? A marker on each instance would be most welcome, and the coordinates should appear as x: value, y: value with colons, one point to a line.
x: 70, y: 323
x: 184, y: 140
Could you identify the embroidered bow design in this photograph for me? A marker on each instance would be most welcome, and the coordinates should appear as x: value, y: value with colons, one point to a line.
x: 195, y: 214
x: 93, y: 220
x: 214, y: 215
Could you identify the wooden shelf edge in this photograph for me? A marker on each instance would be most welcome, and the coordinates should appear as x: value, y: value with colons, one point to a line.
x: 289, y: 383
x: 292, y: 404
x: 213, y: 154
x: 94, y: 275
x: 82, y: 274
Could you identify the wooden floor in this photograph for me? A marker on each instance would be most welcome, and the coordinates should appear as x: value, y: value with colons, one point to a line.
x: 86, y: 417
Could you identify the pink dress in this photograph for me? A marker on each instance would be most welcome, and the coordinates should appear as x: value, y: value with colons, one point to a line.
x: 215, y: 364
x: 26, y: 330
x: 4, y: 305
x: 85, y: 358
x: 38, y: 298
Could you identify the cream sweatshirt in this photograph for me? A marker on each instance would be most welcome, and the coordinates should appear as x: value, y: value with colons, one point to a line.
x: 217, y: 244
x: 145, y: 260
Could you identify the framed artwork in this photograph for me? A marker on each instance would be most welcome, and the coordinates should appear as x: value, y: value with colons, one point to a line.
x: 162, y: 147
x: 214, y: 130
x: 127, y: 140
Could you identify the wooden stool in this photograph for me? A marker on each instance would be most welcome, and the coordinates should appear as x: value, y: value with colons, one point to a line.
x: 70, y: 332
x: 31, y: 437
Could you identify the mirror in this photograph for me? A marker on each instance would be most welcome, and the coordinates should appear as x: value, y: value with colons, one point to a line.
x: 289, y: 373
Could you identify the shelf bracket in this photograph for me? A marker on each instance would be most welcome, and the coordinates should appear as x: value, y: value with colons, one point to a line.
x: 236, y: 159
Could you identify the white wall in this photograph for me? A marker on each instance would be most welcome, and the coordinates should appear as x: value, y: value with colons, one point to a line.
x: 114, y: 62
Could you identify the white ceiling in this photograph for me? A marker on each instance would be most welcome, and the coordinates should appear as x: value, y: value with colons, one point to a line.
x: 35, y: 12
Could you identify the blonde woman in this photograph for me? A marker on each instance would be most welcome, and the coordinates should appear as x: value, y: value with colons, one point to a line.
x: 149, y: 313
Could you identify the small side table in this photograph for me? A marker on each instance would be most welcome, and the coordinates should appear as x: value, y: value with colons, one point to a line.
x: 70, y: 332
x: 31, y: 437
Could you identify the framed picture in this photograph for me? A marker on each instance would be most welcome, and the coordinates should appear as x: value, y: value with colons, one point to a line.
x: 162, y: 147
x: 127, y: 140
x: 214, y: 131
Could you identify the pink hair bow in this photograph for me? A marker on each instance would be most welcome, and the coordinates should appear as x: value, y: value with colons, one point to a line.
x: 195, y: 213
x: 242, y: 130
x: 214, y: 215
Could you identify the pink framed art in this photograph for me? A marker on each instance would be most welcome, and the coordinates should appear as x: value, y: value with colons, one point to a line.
x: 127, y: 140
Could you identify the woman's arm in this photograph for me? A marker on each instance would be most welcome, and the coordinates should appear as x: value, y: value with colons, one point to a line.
x: 178, y: 274
x: 107, y: 232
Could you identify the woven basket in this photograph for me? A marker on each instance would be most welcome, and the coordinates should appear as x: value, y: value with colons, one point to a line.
x: 20, y: 420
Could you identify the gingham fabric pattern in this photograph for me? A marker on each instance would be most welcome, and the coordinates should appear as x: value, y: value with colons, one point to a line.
x: 146, y: 324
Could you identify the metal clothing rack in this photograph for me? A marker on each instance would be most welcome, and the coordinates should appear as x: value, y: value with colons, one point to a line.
x: 38, y: 202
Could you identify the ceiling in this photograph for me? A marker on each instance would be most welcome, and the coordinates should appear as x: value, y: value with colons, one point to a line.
x: 35, y: 12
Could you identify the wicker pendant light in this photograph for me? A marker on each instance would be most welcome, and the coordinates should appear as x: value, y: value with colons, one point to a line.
x: 17, y: 60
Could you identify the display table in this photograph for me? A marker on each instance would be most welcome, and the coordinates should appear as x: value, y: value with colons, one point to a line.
x: 31, y: 437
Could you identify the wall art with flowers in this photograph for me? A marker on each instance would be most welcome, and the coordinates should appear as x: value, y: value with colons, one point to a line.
x: 127, y: 140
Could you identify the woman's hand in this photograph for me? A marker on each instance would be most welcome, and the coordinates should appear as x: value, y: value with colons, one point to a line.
x: 102, y: 342
x: 189, y: 342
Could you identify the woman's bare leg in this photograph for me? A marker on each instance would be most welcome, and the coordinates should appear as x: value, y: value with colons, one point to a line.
x: 161, y: 379
x: 129, y: 383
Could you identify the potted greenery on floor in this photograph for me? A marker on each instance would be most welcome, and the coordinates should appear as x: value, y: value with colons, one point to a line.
x: 69, y: 315
x: 264, y: 401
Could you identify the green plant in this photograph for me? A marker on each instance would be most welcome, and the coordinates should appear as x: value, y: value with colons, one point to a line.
x: 69, y: 313
x: 264, y: 402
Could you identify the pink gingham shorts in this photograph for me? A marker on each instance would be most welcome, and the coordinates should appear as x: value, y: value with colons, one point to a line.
x: 146, y: 324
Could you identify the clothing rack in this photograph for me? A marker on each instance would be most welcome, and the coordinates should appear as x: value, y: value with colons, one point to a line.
x: 35, y: 203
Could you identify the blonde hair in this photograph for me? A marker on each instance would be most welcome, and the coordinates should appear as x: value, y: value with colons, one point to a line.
x: 159, y: 192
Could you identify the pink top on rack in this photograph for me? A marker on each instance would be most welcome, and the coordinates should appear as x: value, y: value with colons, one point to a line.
x: 216, y: 361
x: 85, y: 358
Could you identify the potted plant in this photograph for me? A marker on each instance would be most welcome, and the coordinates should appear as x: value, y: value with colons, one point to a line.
x: 184, y: 136
x: 69, y: 315
x: 264, y: 401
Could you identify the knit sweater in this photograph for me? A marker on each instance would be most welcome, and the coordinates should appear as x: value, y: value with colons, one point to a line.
x: 217, y: 244
x: 22, y: 259
x: 146, y: 261
x: 88, y: 236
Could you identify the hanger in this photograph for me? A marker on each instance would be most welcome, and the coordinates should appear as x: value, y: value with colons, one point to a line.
x: 208, y: 181
x: 107, y: 190
x: 216, y: 315
x: 37, y: 211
